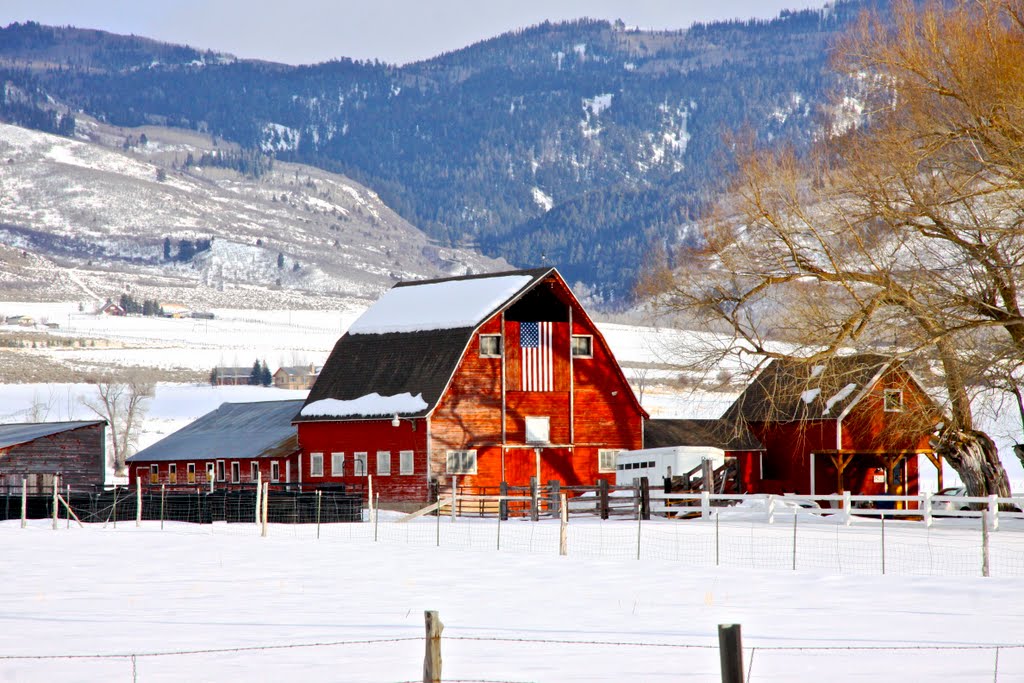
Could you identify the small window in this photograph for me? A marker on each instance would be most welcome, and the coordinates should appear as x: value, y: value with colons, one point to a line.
x: 316, y: 464
x: 406, y: 462
x: 606, y: 459
x: 220, y: 470
x: 172, y: 473
x: 582, y: 346
x: 154, y: 474
x: 209, y: 471
x: 384, y: 462
x: 236, y: 472
x: 254, y: 471
x: 337, y: 464
x: 538, y: 430
x: 893, y: 400
x: 490, y: 346
x: 359, y: 465
x: 191, y: 473
x: 275, y: 471
x: 461, y: 462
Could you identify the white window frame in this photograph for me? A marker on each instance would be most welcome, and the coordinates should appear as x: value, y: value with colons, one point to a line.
x: 602, y: 459
x: 172, y: 473
x: 254, y: 471
x: 383, y: 463
x: 406, y: 462
x: 221, y: 471
x: 489, y: 354
x: 154, y: 474
x: 275, y: 471
x: 537, y: 429
x: 590, y: 345
x: 337, y: 464
x: 359, y: 464
x: 886, y: 396
x: 211, y: 472
x: 236, y: 472
x: 460, y: 462
x: 190, y: 473
x: 316, y: 464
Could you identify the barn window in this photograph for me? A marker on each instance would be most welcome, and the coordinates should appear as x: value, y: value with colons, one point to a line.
x: 337, y: 464
x: 461, y: 462
x: 405, y: 462
x: 490, y: 346
x: 220, y: 470
x: 893, y: 400
x: 254, y: 471
x: 154, y: 474
x: 209, y: 471
x: 316, y: 464
x: 359, y: 465
x: 538, y: 430
x: 383, y: 462
x: 606, y: 459
x: 275, y: 471
x: 236, y: 472
x: 191, y: 473
x: 582, y: 346
x: 172, y: 473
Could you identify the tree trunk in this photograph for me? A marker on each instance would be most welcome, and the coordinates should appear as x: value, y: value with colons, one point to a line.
x: 974, y: 457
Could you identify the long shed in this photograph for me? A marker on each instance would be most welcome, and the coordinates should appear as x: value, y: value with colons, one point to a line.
x: 488, y: 378
x: 36, y: 452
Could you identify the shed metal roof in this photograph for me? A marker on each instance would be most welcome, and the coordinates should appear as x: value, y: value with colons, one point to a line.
x: 15, y: 434
x: 714, y: 433
x: 233, y: 430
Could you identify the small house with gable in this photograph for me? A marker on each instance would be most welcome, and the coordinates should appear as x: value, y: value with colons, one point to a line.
x: 296, y: 376
x: 235, y: 445
x: 484, y: 378
x: 852, y: 423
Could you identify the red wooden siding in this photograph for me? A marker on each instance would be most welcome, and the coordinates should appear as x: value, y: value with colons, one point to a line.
x: 77, y: 455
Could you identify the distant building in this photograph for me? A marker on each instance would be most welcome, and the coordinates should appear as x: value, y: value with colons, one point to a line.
x: 230, y: 377
x: 296, y: 376
x: 36, y: 452
x: 23, y: 320
x: 111, y: 308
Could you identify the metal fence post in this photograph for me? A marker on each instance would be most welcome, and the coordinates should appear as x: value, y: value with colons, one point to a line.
x: 24, y: 503
x: 163, y: 497
x: 563, y: 531
x: 138, y: 501
x: 319, y: 499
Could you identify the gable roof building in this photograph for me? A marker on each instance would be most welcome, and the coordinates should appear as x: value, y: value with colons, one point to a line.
x: 495, y: 377
x: 36, y: 452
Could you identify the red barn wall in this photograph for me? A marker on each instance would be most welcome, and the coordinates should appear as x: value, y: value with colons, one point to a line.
x: 786, y: 461
x: 141, y: 468
x: 77, y: 455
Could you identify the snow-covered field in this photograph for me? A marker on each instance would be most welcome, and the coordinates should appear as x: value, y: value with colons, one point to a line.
x: 220, y: 603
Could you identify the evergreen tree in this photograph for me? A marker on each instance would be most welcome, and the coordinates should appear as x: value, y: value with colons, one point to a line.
x: 213, y: 377
x: 280, y: 260
x: 256, y: 374
x: 266, y: 379
x: 167, y: 249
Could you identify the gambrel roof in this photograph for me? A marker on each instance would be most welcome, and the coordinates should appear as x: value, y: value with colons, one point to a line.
x: 401, y: 354
x: 796, y: 390
x: 234, y: 430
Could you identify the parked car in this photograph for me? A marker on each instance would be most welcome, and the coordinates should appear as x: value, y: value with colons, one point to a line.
x: 951, y: 492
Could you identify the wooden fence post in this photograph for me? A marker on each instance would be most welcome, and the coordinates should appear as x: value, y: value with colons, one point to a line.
x: 602, y: 497
x: 432, y: 659
x: 259, y: 498
x: 645, y: 499
x: 563, y: 531
x: 927, y: 510
x: 24, y: 503
x: 730, y: 647
x: 534, y: 500
x: 138, y: 501
x: 993, y: 512
x: 56, y: 508
x: 266, y: 497
x: 503, y: 503
x: 847, y: 508
x: 554, y: 491
x: 984, y: 546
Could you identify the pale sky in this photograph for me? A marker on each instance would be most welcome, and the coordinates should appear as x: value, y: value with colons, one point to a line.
x: 396, y: 31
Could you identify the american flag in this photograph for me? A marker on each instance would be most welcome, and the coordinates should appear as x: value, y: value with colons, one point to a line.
x: 535, y: 345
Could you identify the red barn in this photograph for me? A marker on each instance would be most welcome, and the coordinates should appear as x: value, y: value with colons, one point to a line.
x: 736, y: 441
x: 36, y: 452
x: 491, y: 378
x: 853, y: 423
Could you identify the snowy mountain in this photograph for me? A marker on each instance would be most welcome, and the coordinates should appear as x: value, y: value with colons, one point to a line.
x: 117, y: 209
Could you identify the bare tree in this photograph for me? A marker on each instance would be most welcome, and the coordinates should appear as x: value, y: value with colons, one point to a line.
x: 903, y: 233
x: 122, y: 403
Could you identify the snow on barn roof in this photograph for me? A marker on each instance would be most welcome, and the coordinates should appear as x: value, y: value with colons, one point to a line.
x: 15, y: 434
x: 372, y: 404
x: 233, y: 430
x: 792, y: 390
x: 414, y: 342
x: 438, y: 305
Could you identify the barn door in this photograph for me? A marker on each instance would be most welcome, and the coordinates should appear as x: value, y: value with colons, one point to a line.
x: 553, y: 463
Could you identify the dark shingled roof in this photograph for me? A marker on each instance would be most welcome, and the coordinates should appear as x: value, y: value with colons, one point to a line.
x: 793, y: 390
x: 714, y: 433
x: 15, y: 434
x: 420, y: 362
x: 234, y: 430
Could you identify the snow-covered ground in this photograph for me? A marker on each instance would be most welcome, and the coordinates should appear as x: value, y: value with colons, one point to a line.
x: 220, y: 603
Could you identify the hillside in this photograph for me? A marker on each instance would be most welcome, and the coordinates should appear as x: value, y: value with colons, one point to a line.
x: 117, y: 210
x: 583, y: 144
